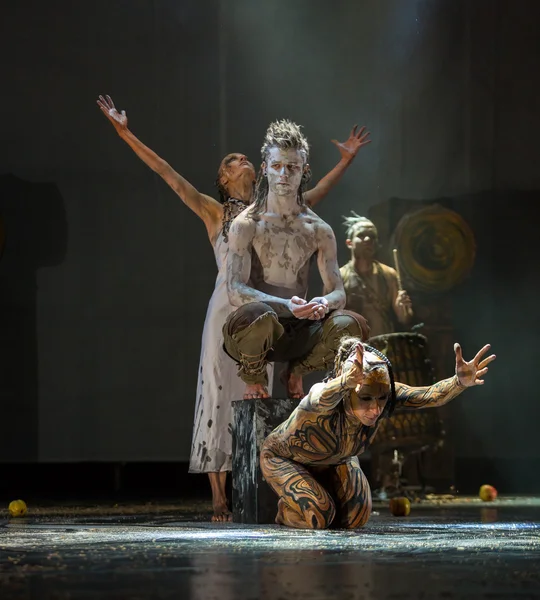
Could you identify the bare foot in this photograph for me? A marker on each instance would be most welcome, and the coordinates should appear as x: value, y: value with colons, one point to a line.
x: 218, y: 482
x: 222, y: 514
x: 295, y: 389
x: 255, y: 390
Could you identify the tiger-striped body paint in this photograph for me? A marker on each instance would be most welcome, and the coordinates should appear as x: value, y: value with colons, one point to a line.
x: 310, y: 460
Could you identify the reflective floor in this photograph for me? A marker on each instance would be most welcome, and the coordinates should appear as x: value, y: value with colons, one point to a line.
x: 441, y: 551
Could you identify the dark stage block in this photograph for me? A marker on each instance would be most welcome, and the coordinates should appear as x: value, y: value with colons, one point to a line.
x: 253, y: 500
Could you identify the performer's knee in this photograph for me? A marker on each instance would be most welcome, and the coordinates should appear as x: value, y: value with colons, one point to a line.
x: 267, y: 461
x: 356, y: 500
x: 318, y: 518
x: 342, y: 323
x: 247, y: 315
x: 248, y: 335
x: 360, y: 519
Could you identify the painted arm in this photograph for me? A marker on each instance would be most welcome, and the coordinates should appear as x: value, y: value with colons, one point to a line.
x: 468, y: 374
x: 326, y: 396
x: 205, y: 207
x: 241, y: 236
x: 334, y: 293
x: 431, y: 396
x: 348, y: 150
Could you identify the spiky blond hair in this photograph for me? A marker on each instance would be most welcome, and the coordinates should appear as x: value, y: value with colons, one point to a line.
x: 285, y: 134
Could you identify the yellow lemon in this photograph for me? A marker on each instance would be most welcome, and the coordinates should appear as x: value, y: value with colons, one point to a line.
x: 18, y: 508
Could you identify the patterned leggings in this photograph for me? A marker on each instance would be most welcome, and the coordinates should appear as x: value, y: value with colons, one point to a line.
x: 317, y: 497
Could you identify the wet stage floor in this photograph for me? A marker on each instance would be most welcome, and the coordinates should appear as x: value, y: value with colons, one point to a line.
x: 454, y: 550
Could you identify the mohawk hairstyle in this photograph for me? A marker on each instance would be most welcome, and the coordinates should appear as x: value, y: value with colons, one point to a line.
x: 285, y: 135
x: 352, y: 223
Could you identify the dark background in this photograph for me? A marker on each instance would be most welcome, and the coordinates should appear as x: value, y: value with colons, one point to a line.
x: 106, y: 275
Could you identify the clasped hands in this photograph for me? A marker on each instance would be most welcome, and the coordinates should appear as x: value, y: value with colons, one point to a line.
x: 314, y: 310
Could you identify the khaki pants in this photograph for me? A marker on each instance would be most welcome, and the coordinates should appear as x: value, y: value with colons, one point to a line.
x: 254, y: 336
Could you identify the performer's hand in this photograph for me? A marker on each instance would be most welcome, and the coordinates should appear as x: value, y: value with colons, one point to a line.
x: 403, y: 300
x: 469, y: 373
x: 119, y: 120
x: 321, y: 309
x: 300, y: 308
x: 349, y: 148
x: 353, y: 371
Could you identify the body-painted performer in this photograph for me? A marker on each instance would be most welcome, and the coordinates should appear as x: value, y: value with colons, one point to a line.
x: 270, y: 248
x: 218, y: 384
x: 310, y: 460
x: 371, y: 287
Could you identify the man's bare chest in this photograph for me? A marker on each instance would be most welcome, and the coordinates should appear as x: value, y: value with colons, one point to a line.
x: 297, y: 242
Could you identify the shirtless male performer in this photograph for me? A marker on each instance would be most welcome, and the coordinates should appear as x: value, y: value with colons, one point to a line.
x: 310, y: 460
x: 270, y: 247
x: 211, y: 450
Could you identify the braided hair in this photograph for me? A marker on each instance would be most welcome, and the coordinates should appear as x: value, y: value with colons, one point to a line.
x: 231, y: 209
x: 231, y: 206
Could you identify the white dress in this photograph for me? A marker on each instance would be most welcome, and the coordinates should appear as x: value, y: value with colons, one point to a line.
x: 218, y: 383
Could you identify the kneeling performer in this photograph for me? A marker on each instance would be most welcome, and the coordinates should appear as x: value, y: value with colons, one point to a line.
x: 310, y: 460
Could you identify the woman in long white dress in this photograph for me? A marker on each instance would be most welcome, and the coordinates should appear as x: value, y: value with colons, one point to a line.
x: 218, y: 384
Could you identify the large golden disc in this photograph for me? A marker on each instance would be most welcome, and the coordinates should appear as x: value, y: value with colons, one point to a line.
x: 436, y: 249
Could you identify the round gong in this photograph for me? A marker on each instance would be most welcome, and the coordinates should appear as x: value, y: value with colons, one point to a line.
x: 436, y: 248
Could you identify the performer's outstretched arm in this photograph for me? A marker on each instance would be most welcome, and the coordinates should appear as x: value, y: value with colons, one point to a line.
x: 205, y: 207
x: 468, y: 374
x: 428, y: 396
x: 348, y: 150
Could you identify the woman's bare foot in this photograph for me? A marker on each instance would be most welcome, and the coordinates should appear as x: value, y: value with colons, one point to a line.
x: 222, y: 514
x: 219, y: 497
x: 255, y: 390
